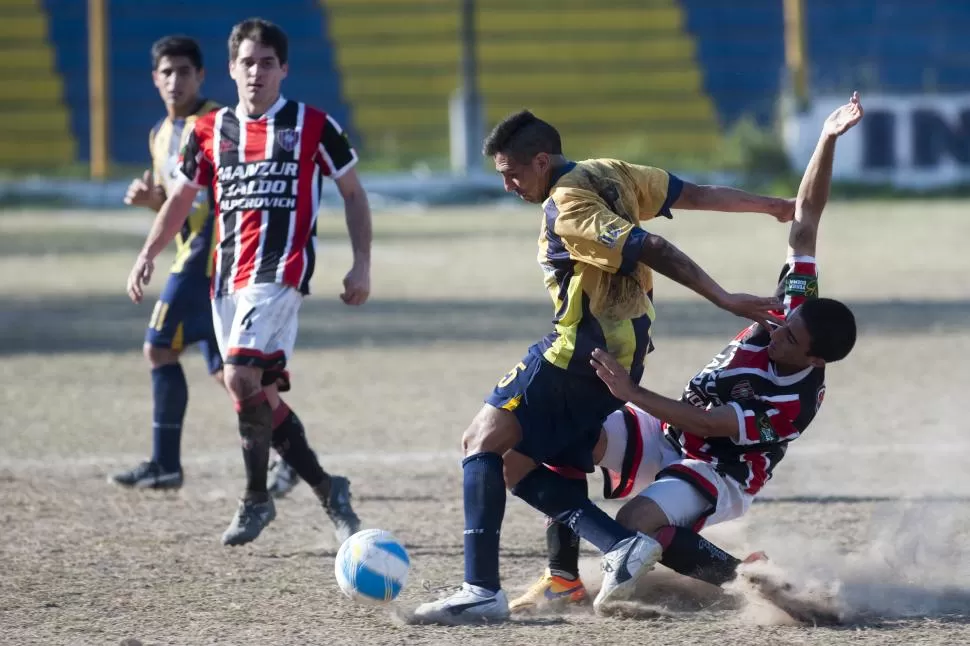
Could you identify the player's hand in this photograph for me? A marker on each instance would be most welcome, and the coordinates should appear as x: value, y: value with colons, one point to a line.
x: 758, y: 309
x: 616, y: 378
x: 357, y: 284
x: 143, y: 192
x: 141, y: 275
x: 783, y: 210
x: 844, y: 117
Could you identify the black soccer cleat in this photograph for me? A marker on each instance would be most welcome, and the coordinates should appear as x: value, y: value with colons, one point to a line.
x: 250, y: 520
x: 148, y: 475
x: 345, y: 521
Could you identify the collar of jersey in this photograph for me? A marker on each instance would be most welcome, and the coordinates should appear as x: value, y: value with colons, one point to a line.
x: 558, y: 175
x: 244, y: 116
x: 199, y: 104
x: 787, y: 380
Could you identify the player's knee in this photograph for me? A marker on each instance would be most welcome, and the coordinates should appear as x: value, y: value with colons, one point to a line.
x: 242, y: 382
x: 516, y: 466
x: 643, y: 515
x: 158, y: 357
x: 492, y: 431
x: 626, y: 516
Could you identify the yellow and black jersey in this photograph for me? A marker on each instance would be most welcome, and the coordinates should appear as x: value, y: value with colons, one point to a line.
x: 194, y: 242
x: 589, y: 249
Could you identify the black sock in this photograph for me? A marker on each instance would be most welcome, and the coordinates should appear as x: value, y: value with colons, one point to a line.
x: 255, y: 430
x: 567, y: 501
x: 563, y: 546
x: 289, y: 440
x: 692, y: 555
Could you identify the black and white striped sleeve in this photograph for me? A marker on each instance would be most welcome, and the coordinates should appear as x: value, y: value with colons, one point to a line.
x: 339, y: 156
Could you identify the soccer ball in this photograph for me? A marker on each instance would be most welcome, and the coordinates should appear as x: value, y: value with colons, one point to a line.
x: 372, y: 566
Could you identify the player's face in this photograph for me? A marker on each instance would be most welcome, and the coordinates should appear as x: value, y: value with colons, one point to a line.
x: 178, y: 81
x: 529, y: 181
x: 790, y: 343
x: 258, y: 73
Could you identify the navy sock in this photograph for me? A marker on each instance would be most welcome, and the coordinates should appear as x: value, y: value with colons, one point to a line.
x: 565, y: 500
x: 484, y: 510
x: 171, y: 394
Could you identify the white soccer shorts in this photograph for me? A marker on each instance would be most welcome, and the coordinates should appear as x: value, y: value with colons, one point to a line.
x: 678, y: 492
x: 256, y: 326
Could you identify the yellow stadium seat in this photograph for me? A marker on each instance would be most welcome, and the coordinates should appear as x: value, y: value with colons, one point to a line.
x: 35, y: 129
x: 35, y: 153
x: 367, y: 25
x: 33, y: 121
x: 613, y: 113
x: 604, y: 72
x: 615, y: 21
x: 43, y: 90
x: 19, y: 27
x: 28, y: 61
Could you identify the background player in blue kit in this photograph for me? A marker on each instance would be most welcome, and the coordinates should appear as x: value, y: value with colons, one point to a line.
x: 183, y: 315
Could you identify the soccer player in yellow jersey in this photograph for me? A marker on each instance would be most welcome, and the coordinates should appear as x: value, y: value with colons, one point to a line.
x: 549, y: 409
x: 182, y: 315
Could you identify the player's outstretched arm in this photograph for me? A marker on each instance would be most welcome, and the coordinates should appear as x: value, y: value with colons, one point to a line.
x: 167, y: 223
x: 813, y: 192
x: 732, y: 200
x: 720, y: 421
x: 358, y: 217
x: 663, y: 257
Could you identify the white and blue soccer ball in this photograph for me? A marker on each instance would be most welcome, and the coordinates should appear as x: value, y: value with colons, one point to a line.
x: 372, y: 566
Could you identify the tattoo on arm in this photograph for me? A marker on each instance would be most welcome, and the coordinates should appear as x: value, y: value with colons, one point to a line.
x: 664, y: 258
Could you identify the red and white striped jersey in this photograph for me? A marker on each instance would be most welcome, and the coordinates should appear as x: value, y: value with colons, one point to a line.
x: 266, y: 174
x: 772, y: 409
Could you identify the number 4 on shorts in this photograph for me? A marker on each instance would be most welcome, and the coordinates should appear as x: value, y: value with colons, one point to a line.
x: 247, y: 321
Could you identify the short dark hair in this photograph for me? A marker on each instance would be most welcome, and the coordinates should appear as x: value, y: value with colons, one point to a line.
x: 177, y: 45
x: 259, y: 31
x: 831, y: 326
x: 522, y: 136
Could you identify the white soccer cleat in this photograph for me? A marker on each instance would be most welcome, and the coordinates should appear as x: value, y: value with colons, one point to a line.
x: 471, y: 604
x: 624, y: 565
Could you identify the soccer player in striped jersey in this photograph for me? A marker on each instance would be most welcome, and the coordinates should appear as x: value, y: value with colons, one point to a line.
x: 265, y: 160
x: 182, y: 315
x: 701, y: 460
x: 549, y: 409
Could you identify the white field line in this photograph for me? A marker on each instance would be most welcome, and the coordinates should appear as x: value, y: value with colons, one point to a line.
x: 54, y: 463
x: 836, y: 451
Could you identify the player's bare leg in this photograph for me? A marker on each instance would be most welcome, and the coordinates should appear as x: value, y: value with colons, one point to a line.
x: 170, y: 394
x: 255, y: 413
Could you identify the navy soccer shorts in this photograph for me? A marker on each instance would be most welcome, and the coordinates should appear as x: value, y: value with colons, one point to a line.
x: 560, y: 412
x: 183, y: 317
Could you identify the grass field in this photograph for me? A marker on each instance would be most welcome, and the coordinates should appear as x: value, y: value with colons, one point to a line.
x: 873, y: 499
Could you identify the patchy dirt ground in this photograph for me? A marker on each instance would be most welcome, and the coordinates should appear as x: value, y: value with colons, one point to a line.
x: 871, y: 505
